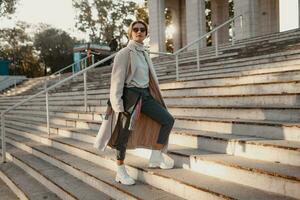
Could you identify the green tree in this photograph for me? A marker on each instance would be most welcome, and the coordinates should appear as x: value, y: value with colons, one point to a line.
x: 28, y: 62
x: 16, y: 46
x: 142, y: 12
x: 7, y: 7
x: 104, y: 19
x: 55, y: 48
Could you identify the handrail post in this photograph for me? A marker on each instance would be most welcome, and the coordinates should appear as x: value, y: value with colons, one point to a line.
x: 73, y: 69
x: 216, y: 43
x: 85, y: 91
x: 47, y: 109
x: 233, y: 33
x: 241, y: 21
x: 93, y: 59
x: 177, y: 67
x: 198, y: 57
x: 3, y: 138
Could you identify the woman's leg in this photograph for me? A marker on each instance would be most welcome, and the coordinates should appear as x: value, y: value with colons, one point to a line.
x: 122, y: 138
x: 158, y: 113
x: 129, y: 99
x: 122, y: 176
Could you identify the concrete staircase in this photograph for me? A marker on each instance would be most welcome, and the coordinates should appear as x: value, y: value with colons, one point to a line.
x: 10, y: 81
x: 236, y: 134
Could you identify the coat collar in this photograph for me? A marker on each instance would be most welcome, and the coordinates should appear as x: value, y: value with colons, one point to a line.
x: 135, y: 46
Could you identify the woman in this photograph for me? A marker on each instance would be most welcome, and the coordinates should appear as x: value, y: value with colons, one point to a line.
x: 136, y: 115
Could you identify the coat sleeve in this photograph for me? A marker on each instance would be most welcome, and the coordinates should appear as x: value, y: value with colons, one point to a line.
x: 118, y: 76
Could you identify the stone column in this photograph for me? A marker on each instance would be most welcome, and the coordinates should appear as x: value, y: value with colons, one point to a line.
x: 196, y: 21
x: 219, y: 15
x: 157, y: 25
x: 260, y: 17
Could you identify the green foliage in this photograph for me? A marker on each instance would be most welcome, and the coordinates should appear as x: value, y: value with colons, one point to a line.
x: 104, y: 19
x: 14, y: 37
x: 55, y: 48
x: 16, y: 46
x: 50, y: 48
x: 142, y: 13
x: 28, y: 62
x: 7, y: 7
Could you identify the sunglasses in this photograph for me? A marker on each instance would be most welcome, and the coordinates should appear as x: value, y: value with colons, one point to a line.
x: 138, y: 29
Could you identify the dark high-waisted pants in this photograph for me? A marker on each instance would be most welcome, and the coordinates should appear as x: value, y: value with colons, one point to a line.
x: 151, y: 108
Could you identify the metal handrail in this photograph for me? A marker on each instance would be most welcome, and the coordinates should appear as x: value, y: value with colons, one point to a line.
x: 71, y: 65
x: 215, y: 30
x: 160, y: 53
x: 46, y: 90
x: 207, y: 34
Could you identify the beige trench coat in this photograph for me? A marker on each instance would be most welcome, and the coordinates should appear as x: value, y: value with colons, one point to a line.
x: 146, y: 130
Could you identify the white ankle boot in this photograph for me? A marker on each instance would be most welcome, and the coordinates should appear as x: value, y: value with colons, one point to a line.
x: 158, y: 159
x: 123, y: 177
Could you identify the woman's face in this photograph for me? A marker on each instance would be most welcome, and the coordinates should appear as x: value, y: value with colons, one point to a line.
x: 138, y: 33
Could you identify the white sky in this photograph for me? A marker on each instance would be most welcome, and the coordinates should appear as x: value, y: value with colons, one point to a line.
x: 60, y: 14
x: 288, y: 14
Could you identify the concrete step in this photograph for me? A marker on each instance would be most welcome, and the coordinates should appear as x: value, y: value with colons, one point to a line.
x: 5, y: 191
x: 65, y: 108
x: 23, y: 185
x: 234, y: 62
x: 250, y: 68
x: 273, y: 177
x: 222, y: 71
x: 190, y: 186
x: 231, y: 64
x: 258, y: 148
x: 59, y: 113
x: 279, y: 68
x: 58, y: 94
x: 267, y: 45
x: 94, y: 175
x: 191, y: 89
x: 51, y: 98
x: 62, y: 184
x: 283, y: 114
x: 234, y: 124
x: 85, y: 135
x: 277, y: 151
x: 271, y: 75
x: 191, y: 58
x: 59, y: 102
x: 267, y: 100
x: 265, y: 129
x: 242, y: 43
x: 247, y: 89
x: 288, y: 34
x: 208, y: 51
x: 278, y: 73
x: 62, y: 121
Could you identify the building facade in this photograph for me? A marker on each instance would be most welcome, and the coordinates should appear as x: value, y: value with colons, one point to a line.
x: 260, y: 17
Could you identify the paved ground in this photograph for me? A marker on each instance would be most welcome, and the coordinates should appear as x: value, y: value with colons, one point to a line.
x: 5, y: 192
